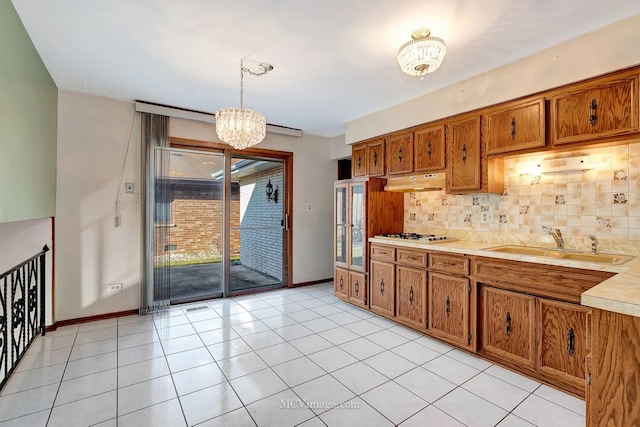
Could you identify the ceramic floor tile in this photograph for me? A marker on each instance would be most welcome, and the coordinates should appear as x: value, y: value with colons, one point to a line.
x: 397, y: 409
x: 468, y: 359
x: 218, y: 335
x: 563, y: 399
x: 178, y: 345
x: 363, y: 327
x: 389, y: 364
x: 381, y: 322
x: 257, y: 385
x: 254, y: 304
x: 93, y: 349
x: 48, y: 343
x: 433, y: 344
x: 290, y: 307
x: 167, y: 413
x: 332, y: 358
x: 293, y: 332
x: 230, y: 348
x: 211, y: 324
x: 136, y: 340
x: 312, y: 302
x: 343, y: 318
x: 86, y: 386
x: 323, y: 391
x: 359, y: 377
x: 279, y: 322
x: 90, y: 365
x: 39, y: 419
x: 310, y: 344
x: 354, y: 413
x: 450, y: 369
x: 147, y: 393
x: 320, y: 324
x: 541, y: 412
x: 244, y: 364
x: 169, y: 321
x: 142, y: 371
x: 34, y: 378
x: 27, y: 402
x: 237, y: 418
x: 189, y: 359
x: 279, y: 353
x: 498, y: 392
x: 139, y: 353
x: 425, y: 384
x: 513, y: 378
x: 231, y: 309
x: 209, y: 403
x: 298, y: 371
x: 361, y: 348
x: 175, y: 332
x: 284, y: 409
x: 474, y: 411
x: 403, y: 331
x: 96, y: 335
x: 339, y: 336
x: 415, y: 353
x: 326, y: 310
x: 200, y: 315
x: 263, y: 339
x: 236, y: 319
x: 197, y: 378
x: 136, y: 328
x: 387, y: 339
x: 514, y: 421
x: 431, y: 416
x: 109, y: 423
x: 264, y: 313
x: 313, y: 422
x: 89, y: 411
x: 250, y: 328
x: 98, y: 324
x: 304, y: 316
x: 44, y: 358
x: 134, y: 318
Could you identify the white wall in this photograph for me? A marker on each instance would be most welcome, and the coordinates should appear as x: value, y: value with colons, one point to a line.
x: 601, y: 51
x: 90, y: 251
x: 313, y: 176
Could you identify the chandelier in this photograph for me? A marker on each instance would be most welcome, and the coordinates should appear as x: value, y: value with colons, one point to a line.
x: 421, y: 55
x: 239, y: 127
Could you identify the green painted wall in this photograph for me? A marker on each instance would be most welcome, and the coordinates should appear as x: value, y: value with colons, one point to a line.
x: 28, y: 125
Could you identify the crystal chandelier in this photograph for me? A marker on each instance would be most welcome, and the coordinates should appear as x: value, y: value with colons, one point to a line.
x: 239, y: 127
x: 422, y: 55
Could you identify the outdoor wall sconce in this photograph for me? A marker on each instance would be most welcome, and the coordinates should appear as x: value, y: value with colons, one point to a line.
x: 271, y: 193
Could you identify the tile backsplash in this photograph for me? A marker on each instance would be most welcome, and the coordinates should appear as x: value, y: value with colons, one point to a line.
x: 602, y: 201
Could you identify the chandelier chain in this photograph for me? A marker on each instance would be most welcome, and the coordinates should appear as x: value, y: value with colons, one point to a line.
x: 244, y: 69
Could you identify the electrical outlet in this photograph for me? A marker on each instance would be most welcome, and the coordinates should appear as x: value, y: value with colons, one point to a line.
x: 486, y: 217
x: 129, y: 188
x: 309, y: 206
x: 114, y: 287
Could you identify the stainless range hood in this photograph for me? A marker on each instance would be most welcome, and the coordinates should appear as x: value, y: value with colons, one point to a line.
x: 426, y: 182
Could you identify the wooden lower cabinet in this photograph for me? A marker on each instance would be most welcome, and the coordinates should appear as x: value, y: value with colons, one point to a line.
x: 562, y: 342
x: 508, y: 325
x: 411, y: 298
x: 341, y: 283
x: 382, y: 288
x: 449, y: 308
x: 358, y: 289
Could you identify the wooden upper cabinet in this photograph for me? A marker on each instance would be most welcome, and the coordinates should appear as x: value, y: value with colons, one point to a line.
x: 400, y: 153
x: 375, y: 158
x: 463, y: 154
x: 606, y: 107
x: 516, y: 127
x: 429, y: 149
x: 359, y: 160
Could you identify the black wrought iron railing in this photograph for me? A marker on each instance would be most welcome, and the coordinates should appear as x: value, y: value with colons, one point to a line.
x: 22, y: 311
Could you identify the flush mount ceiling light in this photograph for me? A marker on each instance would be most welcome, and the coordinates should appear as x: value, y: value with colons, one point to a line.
x: 422, y: 55
x: 239, y: 127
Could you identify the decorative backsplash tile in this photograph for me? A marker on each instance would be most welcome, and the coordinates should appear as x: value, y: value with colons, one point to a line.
x: 602, y: 201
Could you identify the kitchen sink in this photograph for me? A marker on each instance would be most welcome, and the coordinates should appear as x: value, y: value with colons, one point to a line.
x: 613, y: 259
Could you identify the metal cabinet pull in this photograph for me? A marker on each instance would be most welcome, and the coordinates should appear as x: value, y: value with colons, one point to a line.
x: 571, y: 338
x: 411, y: 295
x: 381, y: 286
x: 448, y: 306
x: 513, y: 128
x: 341, y: 282
x: 593, y: 112
x: 507, y: 324
x: 429, y: 148
x: 375, y: 158
x: 359, y: 162
x: 464, y: 153
x: 400, y: 155
x: 356, y: 287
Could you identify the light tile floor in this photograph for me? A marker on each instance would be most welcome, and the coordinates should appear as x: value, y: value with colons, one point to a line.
x: 281, y: 358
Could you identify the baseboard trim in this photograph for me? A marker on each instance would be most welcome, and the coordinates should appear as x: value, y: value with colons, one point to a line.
x: 313, y: 282
x: 78, y: 320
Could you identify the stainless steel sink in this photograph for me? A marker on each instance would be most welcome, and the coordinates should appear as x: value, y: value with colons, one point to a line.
x: 612, y: 259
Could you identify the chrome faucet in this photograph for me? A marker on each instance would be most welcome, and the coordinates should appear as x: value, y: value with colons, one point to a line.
x: 594, y: 245
x: 557, y: 236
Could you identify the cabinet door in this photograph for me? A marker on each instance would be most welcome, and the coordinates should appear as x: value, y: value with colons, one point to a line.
x: 411, y: 300
x: 382, y: 288
x: 601, y: 110
x: 357, y: 232
x: 449, y: 307
x: 508, y: 327
x: 400, y: 153
x: 359, y: 160
x: 428, y: 149
x: 516, y: 128
x: 562, y: 341
x: 375, y: 158
x: 340, y: 225
x: 341, y: 283
x: 463, y: 148
x: 358, y: 289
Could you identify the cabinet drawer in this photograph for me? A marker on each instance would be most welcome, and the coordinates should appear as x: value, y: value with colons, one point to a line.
x: 449, y: 264
x: 383, y: 253
x: 412, y: 258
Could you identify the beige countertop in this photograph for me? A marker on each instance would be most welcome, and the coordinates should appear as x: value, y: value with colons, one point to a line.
x: 620, y: 293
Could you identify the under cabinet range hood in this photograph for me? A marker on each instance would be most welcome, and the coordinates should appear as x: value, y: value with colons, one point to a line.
x: 426, y: 182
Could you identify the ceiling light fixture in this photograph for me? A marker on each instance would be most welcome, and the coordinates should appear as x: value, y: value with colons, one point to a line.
x: 422, y: 55
x: 239, y: 127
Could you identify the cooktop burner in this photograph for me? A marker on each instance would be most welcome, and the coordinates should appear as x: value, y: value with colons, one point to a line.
x: 420, y: 237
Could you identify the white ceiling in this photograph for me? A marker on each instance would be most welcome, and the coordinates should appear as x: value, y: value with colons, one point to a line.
x: 334, y: 59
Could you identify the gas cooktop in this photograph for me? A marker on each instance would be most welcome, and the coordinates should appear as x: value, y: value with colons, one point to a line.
x: 420, y: 237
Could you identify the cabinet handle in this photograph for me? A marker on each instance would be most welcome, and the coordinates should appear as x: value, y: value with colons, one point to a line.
x: 448, y: 306
x: 513, y: 128
x: 593, y: 112
x: 507, y: 324
x: 381, y: 286
x: 571, y: 338
x: 464, y: 153
x: 411, y: 295
x: 400, y: 155
x: 429, y: 148
x: 413, y: 258
x: 375, y: 158
x: 356, y: 287
x: 341, y: 282
x: 359, y: 162
x: 447, y: 264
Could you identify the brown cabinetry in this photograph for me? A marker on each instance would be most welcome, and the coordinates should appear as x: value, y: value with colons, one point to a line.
x: 449, y: 307
x: 359, y: 160
x: 601, y: 108
x: 515, y: 127
x: 382, y: 287
x: 341, y: 283
x: 376, y: 158
x: 411, y: 298
x: 429, y: 148
x: 400, y: 153
x: 358, y: 289
x: 463, y: 148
